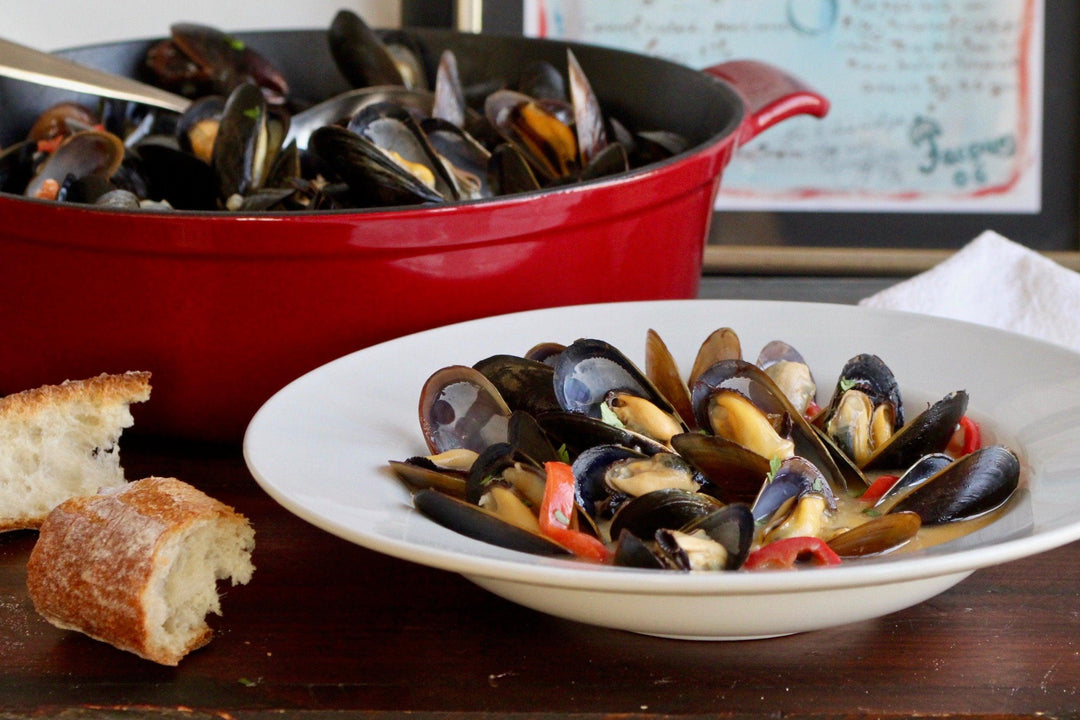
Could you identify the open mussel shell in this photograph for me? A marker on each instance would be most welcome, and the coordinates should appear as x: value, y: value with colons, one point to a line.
x: 460, y: 408
x: 721, y: 344
x: 971, y: 486
x: 576, y: 432
x: 588, y: 370
x: 795, y: 478
x: 340, y: 108
x: 752, y: 382
x: 592, y: 491
x: 544, y: 139
x: 465, y: 159
x: 790, y: 371
x: 588, y: 117
x: 869, y: 374
x: 243, y: 149
x: 632, y: 551
x: 877, y: 536
x: 922, y: 470
x: 733, y: 527
x: 509, y: 172
x: 450, y: 103
x: 475, y: 522
x: 735, y: 474
x: 370, y: 173
x: 82, y: 155
x: 197, y: 128
x: 671, y: 509
x: 663, y: 371
x: 525, y: 435
x: 523, y: 383
x: 360, y: 54
x: 395, y: 131
x: 607, y: 475
x: 419, y: 473
x: 489, y: 466
x: 226, y: 62
x: 929, y: 432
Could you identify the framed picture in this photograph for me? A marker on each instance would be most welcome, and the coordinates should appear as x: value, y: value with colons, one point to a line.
x: 945, y: 121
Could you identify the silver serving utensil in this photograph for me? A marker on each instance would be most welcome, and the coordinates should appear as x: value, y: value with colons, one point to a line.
x: 35, y: 66
x: 24, y: 63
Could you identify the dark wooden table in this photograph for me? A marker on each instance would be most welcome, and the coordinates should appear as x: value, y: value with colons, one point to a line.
x: 327, y: 627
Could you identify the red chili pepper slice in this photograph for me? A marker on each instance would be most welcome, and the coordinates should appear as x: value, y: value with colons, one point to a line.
x: 967, y: 438
x: 49, y: 145
x: 972, y: 435
x: 878, y: 488
x: 789, y: 553
x: 556, y: 509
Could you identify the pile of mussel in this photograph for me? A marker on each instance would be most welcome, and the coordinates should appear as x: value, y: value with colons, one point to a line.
x: 399, y: 138
x: 735, y: 466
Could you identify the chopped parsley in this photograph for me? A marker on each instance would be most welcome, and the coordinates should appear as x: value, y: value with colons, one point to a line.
x: 774, y: 467
x: 608, y: 415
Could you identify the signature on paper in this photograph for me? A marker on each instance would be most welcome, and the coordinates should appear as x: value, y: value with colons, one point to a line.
x: 965, y: 160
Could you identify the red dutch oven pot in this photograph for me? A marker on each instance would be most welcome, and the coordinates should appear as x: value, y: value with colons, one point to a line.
x: 226, y: 309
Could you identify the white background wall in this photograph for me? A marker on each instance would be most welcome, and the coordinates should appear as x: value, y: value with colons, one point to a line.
x: 53, y: 24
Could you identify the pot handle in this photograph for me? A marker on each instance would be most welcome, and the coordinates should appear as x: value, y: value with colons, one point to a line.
x: 769, y: 93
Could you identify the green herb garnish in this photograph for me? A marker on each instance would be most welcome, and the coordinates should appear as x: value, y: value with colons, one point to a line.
x: 774, y: 467
x: 608, y: 415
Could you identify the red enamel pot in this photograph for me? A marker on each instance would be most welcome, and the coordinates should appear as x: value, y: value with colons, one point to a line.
x: 226, y: 309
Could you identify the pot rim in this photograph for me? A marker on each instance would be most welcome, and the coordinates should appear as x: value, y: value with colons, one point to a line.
x: 702, y: 162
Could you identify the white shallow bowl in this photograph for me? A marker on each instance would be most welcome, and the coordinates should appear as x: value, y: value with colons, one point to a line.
x: 320, y: 447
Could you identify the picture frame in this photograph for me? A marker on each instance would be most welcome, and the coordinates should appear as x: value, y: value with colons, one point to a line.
x: 876, y: 242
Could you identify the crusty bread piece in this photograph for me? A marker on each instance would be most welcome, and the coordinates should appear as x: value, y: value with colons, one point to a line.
x: 137, y: 566
x: 59, y: 441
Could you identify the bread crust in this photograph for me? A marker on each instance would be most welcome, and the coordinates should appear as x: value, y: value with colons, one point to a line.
x: 30, y: 419
x: 99, y: 560
x: 128, y: 387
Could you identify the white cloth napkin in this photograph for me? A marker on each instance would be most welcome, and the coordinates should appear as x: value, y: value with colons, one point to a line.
x: 997, y: 282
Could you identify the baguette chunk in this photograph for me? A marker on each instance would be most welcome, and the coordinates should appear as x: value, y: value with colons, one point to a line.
x: 60, y: 441
x: 137, y: 566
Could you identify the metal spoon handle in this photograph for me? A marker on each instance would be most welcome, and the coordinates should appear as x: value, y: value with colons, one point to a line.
x: 24, y: 63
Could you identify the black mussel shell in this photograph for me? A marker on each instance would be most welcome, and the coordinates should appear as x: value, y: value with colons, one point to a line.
x: 929, y: 432
x: 373, y: 177
x: 360, y: 53
x: 591, y: 490
x: 869, y: 374
x: 735, y: 474
x: 508, y: 171
x: 877, y: 536
x: 973, y: 485
x: 576, y: 433
x: 631, y: 551
x: 242, y: 148
x: 795, y: 477
x: 473, y: 522
x: 460, y: 408
x: 419, y: 473
x: 922, y: 470
x: 524, y: 384
x: 588, y: 369
x: 670, y: 509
